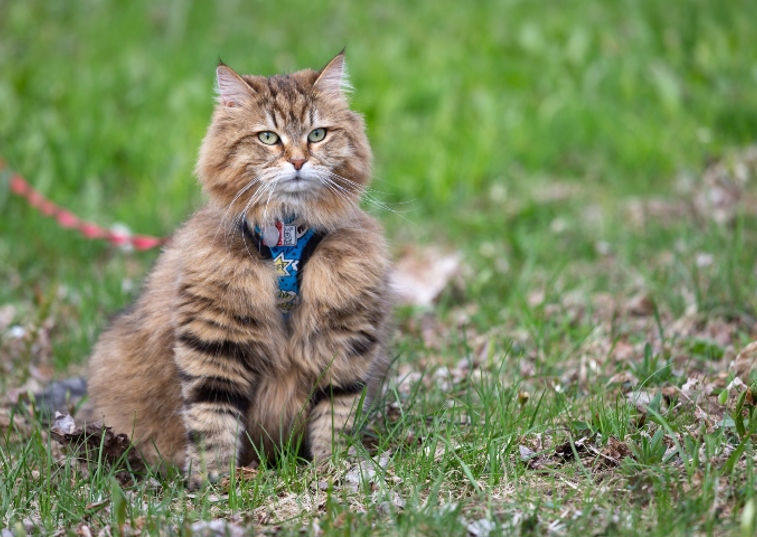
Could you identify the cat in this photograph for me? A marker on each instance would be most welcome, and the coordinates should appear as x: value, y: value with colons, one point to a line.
x: 237, y: 347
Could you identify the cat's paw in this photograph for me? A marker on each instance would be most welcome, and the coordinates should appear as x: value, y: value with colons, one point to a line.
x: 194, y: 481
x: 197, y: 480
x: 321, y: 455
x: 332, y: 467
x: 326, y: 451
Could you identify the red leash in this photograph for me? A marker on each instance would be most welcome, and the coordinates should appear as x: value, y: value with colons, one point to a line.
x: 116, y: 236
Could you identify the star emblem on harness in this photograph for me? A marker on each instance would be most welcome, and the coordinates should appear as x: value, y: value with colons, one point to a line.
x: 282, y: 265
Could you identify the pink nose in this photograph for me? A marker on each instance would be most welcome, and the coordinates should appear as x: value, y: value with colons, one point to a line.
x: 298, y: 162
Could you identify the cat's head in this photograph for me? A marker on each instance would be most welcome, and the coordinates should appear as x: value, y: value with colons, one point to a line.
x: 286, y: 144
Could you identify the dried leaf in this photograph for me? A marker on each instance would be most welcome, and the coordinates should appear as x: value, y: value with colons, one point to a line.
x: 394, y: 503
x: 624, y: 378
x: 83, y: 531
x: 11, y: 421
x: 366, y: 471
x: 218, y: 528
x: 526, y: 453
x: 615, y: 451
x: 96, y: 506
x: 480, y: 528
x: 7, y: 314
x: 534, y: 460
x: 565, y: 450
x: 641, y: 399
x: 63, y: 425
x: 243, y: 473
x: 721, y: 190
x: 745, y: 362
x: 89, y: 440
x: 420, y: 275
x: 640, y: 305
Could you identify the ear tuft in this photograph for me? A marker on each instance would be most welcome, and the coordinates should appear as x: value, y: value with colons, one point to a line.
x: 232, y: 89
x: 333, y: 79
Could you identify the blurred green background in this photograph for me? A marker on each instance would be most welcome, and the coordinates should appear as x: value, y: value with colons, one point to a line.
x: 474, y: 109
x: 559, y: 145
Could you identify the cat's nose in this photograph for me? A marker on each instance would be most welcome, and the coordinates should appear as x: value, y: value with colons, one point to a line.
x: 298, y: 162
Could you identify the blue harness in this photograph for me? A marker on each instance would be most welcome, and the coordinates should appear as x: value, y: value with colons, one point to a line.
x: 289, y: 246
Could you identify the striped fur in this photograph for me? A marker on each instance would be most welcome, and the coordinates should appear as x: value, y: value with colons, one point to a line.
x: 204, y: 371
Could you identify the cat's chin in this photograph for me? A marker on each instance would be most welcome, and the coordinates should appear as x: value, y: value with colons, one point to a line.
x: 295, y: 200
x: 283, y: 206
x: 295, y: 185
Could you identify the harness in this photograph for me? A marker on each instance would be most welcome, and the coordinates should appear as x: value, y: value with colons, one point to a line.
x: 289, y: 245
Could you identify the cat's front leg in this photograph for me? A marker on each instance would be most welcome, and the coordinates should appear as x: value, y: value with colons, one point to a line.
x: 216, y: 397
x: 222, y: 345
x: 350, y: 354
x: 333, y: 413
x: 339, y: 332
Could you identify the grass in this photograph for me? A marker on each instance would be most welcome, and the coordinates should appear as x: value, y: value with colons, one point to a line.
x: 567, y: 149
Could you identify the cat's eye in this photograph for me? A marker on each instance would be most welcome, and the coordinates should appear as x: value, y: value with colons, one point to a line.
x: 317, y: 135
x: 268, y: 137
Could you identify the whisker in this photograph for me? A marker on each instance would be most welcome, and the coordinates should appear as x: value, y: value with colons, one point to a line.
x: 356, y: 188
x: 343, y: 188
x: 344, y: 195
x: 226, y: 211
x: 256, y: 195
x: 273, y: 189
x: 242, y: 215
x: 254, y: 199
x: 244, y: 241
x: 347, y: 193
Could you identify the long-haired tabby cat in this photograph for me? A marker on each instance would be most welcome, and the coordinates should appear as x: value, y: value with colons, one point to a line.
x: 266, y: 317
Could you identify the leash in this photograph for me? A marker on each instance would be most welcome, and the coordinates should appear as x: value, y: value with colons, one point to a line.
x: 117, y: 235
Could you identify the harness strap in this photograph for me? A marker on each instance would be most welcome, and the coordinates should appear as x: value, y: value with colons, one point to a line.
x: 294, y: 245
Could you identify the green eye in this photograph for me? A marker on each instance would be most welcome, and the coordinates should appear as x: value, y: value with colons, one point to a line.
x: 268, y: 137
x: 317, y: 135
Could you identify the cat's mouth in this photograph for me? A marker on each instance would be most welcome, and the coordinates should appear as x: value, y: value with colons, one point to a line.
x: 294, y: 185
x: 296, y: 182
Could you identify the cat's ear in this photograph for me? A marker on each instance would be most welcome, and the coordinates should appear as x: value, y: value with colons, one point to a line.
x: 333, y: 78
x: 232, y: 89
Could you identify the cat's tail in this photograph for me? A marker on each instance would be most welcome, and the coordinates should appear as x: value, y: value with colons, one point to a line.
x: 67, y: 396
